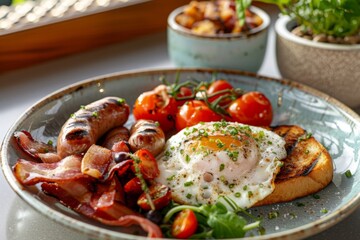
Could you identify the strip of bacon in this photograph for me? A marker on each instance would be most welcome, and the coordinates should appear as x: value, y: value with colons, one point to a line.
x: 96, y: 161
x: 107, y: 193
x: 30, y: 173
x: 37, y: 150
x: 113, y: 213
x: 151, y: 228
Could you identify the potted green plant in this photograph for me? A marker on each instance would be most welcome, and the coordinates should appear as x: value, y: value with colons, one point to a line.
x: 318, y: 43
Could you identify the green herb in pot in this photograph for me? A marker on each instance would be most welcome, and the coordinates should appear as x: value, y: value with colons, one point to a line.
x: 337, y: 18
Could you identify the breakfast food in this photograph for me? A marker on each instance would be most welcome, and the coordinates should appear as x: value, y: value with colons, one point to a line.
x: 214, y: 159
x: 307, y: 169
x: 216, y: 17
x: 147, y: 134
x: 214, y: 162
x: 89, y: 123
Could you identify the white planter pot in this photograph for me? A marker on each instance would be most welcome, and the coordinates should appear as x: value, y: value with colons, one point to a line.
x: 331, y: 68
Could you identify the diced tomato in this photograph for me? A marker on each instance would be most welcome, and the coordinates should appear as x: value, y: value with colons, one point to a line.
x: 148, y: 165
x: 133, y: 186
x: 160, y: 195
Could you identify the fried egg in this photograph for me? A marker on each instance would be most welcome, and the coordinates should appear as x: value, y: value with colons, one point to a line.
x: 210, y: 160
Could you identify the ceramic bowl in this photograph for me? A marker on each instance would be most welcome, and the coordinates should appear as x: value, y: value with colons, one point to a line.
x: 331, y: 68
x: 227, y: 51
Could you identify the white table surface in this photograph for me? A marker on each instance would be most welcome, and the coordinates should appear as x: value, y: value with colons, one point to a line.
x: 21, y: 88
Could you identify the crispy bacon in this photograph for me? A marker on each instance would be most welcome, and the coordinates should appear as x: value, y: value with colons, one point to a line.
x: 107, y: 193
x: 78, y: 196
x: 38, y: 150
x: 151, y: 228
x: 30, y: 173
x: 96, y: 161
x: 90, y: 185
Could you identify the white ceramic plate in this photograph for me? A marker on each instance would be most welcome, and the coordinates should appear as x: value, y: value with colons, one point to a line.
x: 332, y: 123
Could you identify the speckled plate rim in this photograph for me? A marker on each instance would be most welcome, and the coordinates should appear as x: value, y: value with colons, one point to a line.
x: 300, y: 232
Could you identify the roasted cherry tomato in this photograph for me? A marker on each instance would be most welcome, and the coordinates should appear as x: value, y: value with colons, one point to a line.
x: 218, y: 86
x: 148, y: 165
x: 184, y: 92
x: 185, y: 224
x: 252, y: 108
x: 133, y: 186
x: 160, y: 195
x: 157, y: 105
x: 193, y: 112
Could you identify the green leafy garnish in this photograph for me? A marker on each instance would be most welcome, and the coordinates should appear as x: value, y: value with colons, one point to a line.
x: 216, y: 221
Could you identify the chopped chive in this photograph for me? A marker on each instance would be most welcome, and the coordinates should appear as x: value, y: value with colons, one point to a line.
x: 316, y: 196
x: 187, y: 158
x: 222, y: 166
x: 324, y: 210
x: 187, y: 184
x: 274, y: 214
x: 348, y: 174
x: 95, y: 114
x: 171, y: 178
x: 121, y: 101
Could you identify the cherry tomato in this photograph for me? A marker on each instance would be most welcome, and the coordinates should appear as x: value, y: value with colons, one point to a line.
x: 148, y: 165
x: 184, y: 92
x: 185, y: 224
x: 158, y: 106
x: 252, y: 108
x: 133, y: 186
x: 193, y: 112
x: 160, y: 195
x: 217, y: 86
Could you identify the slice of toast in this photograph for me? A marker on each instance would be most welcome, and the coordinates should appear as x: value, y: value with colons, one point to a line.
x: 307, y: 169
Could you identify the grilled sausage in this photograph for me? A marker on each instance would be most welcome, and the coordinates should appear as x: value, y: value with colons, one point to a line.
x: 89, y: 123
x: 148, y: 135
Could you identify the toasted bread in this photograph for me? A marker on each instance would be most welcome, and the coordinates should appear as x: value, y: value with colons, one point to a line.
x: 307, y: 169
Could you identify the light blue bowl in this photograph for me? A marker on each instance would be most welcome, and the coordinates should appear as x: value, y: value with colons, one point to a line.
x: 226, y: 51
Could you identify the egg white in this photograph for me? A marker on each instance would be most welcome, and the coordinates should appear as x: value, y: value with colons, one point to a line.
x: 204, y: 162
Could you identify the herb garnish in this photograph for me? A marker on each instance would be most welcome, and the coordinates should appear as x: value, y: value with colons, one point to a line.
x: 348, y: 174
x: 216, y: 221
